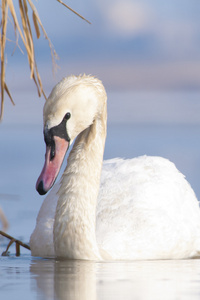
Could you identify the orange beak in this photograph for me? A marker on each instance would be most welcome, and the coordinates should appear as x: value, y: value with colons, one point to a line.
x: 52, y: 164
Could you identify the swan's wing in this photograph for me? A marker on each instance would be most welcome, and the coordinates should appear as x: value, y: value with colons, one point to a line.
x: 143, y: 202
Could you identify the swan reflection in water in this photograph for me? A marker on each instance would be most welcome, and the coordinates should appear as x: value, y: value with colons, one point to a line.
x: 87, y: 280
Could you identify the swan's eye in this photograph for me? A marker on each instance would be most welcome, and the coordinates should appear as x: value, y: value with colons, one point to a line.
x: 67, y: 116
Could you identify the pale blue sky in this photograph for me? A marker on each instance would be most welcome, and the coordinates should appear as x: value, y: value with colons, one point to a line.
x: 137, y: 44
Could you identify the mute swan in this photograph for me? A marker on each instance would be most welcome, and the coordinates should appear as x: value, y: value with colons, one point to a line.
x: 141, y: 208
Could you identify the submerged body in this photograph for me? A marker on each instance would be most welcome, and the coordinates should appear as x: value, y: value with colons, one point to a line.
x: 141, y: 208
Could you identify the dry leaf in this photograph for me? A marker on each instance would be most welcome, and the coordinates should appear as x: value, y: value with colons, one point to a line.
x: 37, y: 29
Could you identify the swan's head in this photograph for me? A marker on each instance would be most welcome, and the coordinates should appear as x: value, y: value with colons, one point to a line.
x: 72, y: 106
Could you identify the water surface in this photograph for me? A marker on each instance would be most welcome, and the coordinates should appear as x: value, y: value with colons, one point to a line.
x: 33, y: 278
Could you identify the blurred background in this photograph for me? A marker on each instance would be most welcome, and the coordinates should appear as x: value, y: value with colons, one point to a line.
x: 131, y: 44
x: 147, y: 53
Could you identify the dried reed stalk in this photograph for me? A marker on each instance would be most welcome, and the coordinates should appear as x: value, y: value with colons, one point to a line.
x: 18, y: 243
x: 74, y: 11
x: 27, y: 38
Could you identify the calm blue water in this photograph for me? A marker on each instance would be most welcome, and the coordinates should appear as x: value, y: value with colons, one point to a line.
x: 164, y: 124
x: 25, y: 278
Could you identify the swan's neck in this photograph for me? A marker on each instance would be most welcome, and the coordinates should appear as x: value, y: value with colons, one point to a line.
x: 75, y: 219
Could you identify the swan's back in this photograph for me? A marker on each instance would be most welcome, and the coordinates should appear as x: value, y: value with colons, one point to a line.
x: 146, y: 205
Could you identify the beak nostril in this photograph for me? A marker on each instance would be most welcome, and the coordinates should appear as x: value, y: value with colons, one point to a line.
x: 52, y: 153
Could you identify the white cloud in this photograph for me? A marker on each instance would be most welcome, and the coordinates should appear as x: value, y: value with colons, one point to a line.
x: 126, y: 17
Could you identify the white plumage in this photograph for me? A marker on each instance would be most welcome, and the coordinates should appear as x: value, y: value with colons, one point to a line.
x: 141, y: 208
